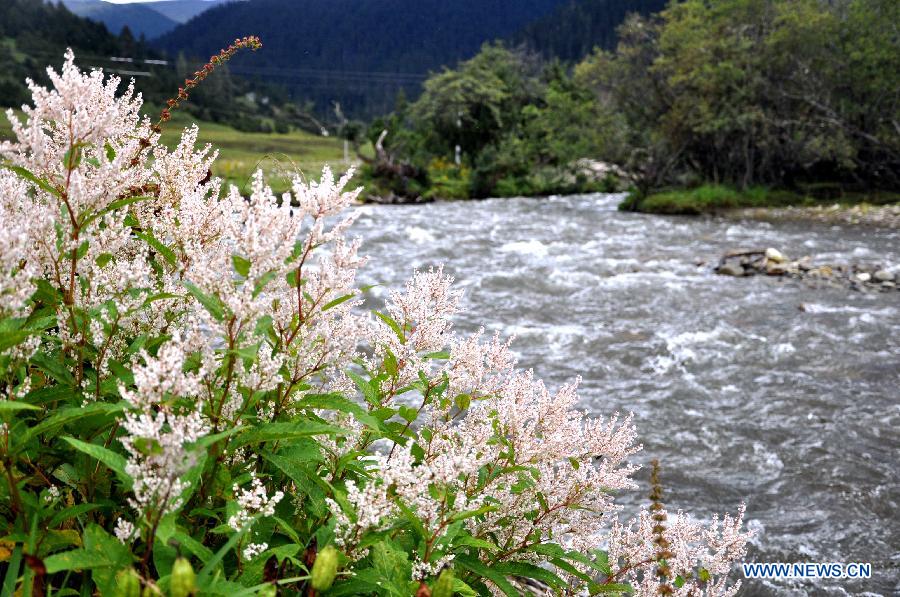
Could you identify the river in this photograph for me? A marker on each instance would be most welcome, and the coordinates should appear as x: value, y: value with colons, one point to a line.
x: 742, y: 394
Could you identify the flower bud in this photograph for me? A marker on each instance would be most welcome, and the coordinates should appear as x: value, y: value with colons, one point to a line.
x: 183, y: 581
x: 324, y: 569
x: 443, y: 587
x: 128, y: 584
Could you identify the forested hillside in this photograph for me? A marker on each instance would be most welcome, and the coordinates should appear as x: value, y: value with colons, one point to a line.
x: 358, y: 53
x: 34, y: 34
x: 575, y: 28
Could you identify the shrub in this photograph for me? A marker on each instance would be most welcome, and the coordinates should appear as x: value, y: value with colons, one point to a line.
x: 193, y: 402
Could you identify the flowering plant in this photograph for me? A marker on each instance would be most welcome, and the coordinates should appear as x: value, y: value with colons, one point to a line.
x: 193, y: 401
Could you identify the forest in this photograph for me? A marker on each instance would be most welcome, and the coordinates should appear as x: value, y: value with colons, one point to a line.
x: 35, y: 34
x: 802, y: 97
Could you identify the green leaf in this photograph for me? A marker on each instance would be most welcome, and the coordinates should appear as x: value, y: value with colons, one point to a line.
x: 72, y: 157
x: 469, y: 541
x: 211, y: 563
x: 339, y: 403
x: 103, y: 259
x: 10, y: 338
x: 282, y: 431
x: 64, y: 416
x: 337, y: 301
x: 12, y: 571
x: 14, y: 406
x: 71, y: 512
x: 391, y: 324
x: 110, y: 151
x: 76, y: 559
x: 211, y: 303
x: 474, y: 565
x: 241, y: 265
x: 262, y: 282
x: 526, y: 570
x: 167, y: 253
x: 100, y: 551
x: 115, y: 462
x: 202, y: 552
x: 408, y: 413
x: 119, y: 203
x: 27, y: 175
x: 390, y: 364
x: 369, y: 392
x: 470, y: 513
x: 206, y: 441
x: 463, y: 401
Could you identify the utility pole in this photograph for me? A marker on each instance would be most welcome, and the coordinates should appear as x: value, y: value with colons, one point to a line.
x: 457, y: 158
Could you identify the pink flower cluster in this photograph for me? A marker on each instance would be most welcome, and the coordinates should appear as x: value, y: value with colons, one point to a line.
x: 256, y: 300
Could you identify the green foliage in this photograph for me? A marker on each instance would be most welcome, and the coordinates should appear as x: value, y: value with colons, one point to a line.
x: 741, y: 93
x: 35, y: 33
x: 520, y: 125
x: 707, y: 199
x: 358, y: 54
x: 751, y: 92
x: 710, y: 198
x: 72, y: 460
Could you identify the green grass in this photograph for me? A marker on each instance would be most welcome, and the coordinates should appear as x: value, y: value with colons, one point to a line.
x: 280, y: 156
x: 713, y: 198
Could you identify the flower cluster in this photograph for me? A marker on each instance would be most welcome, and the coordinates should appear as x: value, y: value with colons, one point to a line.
x: 251, y: 502
x: 700, y: 557
x: 209, y: 348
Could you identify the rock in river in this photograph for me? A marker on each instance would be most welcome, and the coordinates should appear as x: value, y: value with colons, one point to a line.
x: 775, y: 256
x: 730, y: 269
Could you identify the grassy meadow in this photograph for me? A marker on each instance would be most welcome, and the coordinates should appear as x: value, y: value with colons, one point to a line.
x: 240, y: 153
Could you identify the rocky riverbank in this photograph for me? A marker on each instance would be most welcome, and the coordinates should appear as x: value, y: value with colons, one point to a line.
x: 884, y: 216
x: 772, y: 262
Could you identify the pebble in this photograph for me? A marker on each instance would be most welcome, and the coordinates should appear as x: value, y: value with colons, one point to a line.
x: 775, y: 255
x: 771, y: 261
x: 731, y: 270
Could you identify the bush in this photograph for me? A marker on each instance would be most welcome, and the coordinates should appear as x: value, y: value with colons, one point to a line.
x: 446, y: 180
x: 711, y: 198
x: 194, y: 403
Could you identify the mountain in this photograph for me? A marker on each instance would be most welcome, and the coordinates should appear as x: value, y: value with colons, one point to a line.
x: 575, y: 28
x: 359, y: 53
x: 141, y: 19
x: 182, y: 11
x: 34, y: 33
x: 150, y: 19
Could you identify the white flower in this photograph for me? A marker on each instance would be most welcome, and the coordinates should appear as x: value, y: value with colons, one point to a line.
x: 124, y: 530
x: 254, y: 549
x: 253, y: 501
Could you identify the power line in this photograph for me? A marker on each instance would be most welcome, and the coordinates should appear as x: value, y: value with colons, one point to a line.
x: 355, y: 76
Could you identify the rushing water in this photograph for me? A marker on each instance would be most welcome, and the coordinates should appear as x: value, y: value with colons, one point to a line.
x: 740, y: 392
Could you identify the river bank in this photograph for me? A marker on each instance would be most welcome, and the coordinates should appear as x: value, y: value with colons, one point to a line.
x: 824, y: 205
x: 865, y: 214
